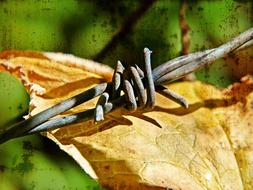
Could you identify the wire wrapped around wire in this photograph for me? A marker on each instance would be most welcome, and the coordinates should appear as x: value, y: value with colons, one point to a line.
x: 130, y: 81
x: 164, y: 73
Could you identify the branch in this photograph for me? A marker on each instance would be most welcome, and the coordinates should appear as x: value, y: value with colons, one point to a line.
x: 127, y: 27
x: 185, y: 39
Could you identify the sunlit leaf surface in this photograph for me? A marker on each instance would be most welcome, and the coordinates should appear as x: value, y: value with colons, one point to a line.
x: 208, y: 146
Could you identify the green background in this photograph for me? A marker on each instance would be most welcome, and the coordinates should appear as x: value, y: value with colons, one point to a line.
x: 85, y: 28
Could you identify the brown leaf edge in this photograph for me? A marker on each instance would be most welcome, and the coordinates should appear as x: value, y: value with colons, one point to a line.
x: 67, y: 59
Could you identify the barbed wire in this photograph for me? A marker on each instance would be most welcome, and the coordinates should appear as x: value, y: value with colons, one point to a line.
x: 167, y: 72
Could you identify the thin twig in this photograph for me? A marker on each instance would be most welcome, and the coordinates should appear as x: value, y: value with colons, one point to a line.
x: 125, y: 29
x: 185, y: 39
x: 185, y: 35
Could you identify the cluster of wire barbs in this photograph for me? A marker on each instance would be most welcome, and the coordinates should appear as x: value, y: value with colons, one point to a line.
x: 139, y: 89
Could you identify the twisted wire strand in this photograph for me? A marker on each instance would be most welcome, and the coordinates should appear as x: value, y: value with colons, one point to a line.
x: 131, y: 81
x: 166, y: 72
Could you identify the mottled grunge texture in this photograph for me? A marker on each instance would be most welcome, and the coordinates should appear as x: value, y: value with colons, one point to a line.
x: 208, y: 146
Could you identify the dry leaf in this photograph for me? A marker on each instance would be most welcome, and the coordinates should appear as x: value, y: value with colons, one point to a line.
x: 208, y: 146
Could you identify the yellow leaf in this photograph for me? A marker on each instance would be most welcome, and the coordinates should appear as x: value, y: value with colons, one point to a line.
x: 208, y: 146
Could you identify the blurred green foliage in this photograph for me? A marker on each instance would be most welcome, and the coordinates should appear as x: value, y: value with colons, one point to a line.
x: 13, y: 104
x: 35, y: 163
x: 85, y: 28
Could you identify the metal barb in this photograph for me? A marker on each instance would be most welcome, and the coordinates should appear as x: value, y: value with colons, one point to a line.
x: 167, y: 72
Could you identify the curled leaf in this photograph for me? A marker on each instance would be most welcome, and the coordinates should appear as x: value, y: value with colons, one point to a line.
x: 208, y: 146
